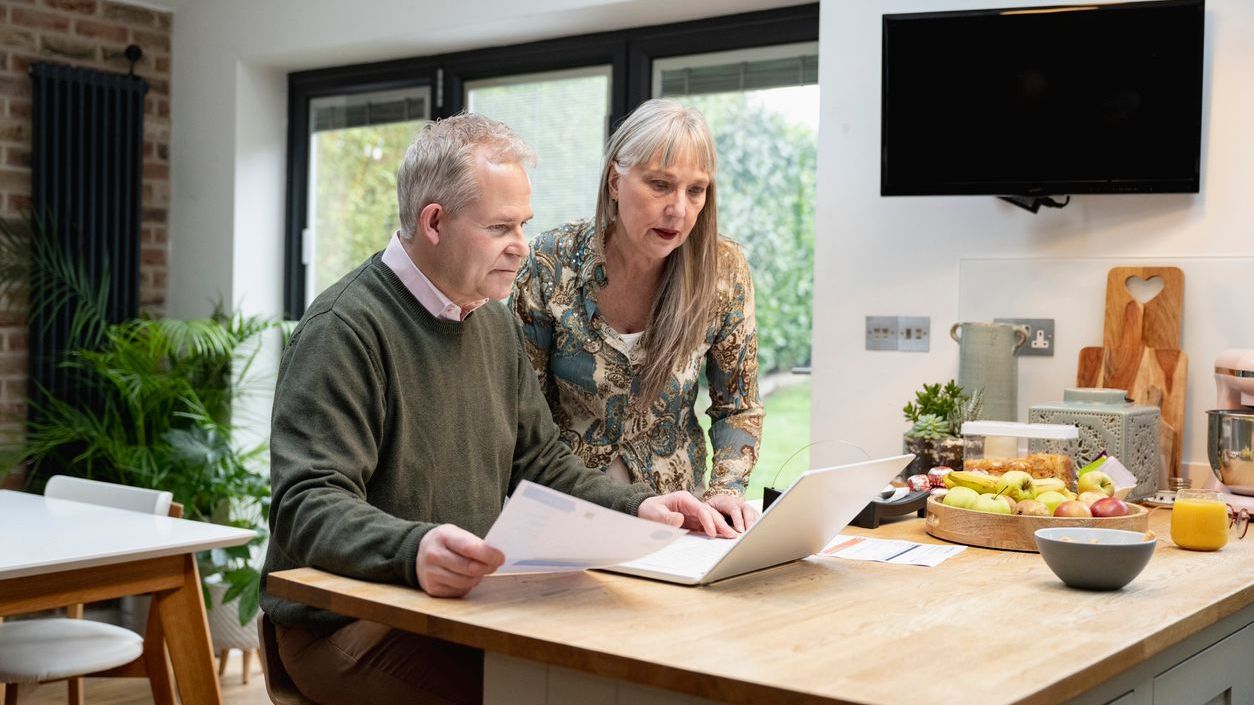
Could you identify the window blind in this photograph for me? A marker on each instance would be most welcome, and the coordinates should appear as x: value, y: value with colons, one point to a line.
x: 741, y: 76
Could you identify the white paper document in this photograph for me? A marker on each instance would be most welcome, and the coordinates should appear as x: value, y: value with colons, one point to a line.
x: 542, y: 530
x: 865, y: 548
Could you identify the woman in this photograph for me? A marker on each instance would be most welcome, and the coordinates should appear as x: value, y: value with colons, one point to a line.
x: 620, y: 312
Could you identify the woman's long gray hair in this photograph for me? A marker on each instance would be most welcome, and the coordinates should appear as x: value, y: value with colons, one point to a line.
x: 669, y: 132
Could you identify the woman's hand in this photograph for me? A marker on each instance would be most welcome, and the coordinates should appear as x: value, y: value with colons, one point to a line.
x: 681, y: 509
x: 742, y: 515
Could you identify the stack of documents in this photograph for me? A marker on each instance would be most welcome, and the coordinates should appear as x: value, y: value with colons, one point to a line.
x: 545, y: 531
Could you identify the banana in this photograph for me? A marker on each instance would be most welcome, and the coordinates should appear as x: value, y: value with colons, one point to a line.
x: 1048, y: 484
x: 979, y: 483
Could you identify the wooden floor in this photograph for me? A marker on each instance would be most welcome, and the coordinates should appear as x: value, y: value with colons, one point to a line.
x: 134, y: 691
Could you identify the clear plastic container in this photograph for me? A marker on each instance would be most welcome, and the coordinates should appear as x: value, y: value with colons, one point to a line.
x: 1040, y: 449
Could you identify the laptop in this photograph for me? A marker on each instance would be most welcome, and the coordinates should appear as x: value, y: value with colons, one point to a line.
x: 797, y: 524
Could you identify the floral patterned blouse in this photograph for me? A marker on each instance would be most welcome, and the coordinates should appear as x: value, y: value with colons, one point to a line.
x: 588, y: 373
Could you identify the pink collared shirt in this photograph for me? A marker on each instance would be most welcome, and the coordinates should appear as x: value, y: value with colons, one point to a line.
x: 431, y: 298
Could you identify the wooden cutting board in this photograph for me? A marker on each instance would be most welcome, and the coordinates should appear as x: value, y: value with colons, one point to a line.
x: 1140, y: 351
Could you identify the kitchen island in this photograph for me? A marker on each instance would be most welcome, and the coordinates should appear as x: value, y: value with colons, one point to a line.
x: 986, y: 626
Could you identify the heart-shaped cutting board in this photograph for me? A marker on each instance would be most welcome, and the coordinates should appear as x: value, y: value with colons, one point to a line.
x: 1140, y: 348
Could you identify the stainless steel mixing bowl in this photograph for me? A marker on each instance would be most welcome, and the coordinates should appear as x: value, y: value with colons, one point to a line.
x: 1229, y: 443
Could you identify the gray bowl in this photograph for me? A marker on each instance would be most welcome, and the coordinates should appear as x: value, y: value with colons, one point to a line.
x: 1094, y: 559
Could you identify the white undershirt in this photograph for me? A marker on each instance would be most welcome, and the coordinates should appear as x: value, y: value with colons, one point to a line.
x: 630, y: 339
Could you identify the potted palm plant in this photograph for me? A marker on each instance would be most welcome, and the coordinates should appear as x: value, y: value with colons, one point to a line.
x: 158, y: 414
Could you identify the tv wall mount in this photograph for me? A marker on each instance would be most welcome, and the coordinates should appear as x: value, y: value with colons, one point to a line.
x: 1034, y: 203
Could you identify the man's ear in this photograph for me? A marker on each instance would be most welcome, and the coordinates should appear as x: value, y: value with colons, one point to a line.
x: 431, y: 221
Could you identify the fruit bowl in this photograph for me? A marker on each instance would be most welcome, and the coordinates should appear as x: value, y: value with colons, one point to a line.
x: 1095, y: 559
x: 1012, y: 531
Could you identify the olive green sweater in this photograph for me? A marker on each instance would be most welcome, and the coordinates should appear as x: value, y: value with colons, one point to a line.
x: 388, y: 422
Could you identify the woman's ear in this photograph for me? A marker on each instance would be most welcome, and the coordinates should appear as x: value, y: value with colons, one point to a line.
x: 431, y: 222
x: 613, y: 181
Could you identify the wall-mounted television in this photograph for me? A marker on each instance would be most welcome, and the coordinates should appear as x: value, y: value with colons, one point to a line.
x: 1033, y: 101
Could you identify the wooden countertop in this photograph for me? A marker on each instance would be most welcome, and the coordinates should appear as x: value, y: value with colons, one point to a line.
x: 985, y: 626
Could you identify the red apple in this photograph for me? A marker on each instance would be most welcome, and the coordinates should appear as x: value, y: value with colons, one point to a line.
x: 1109, y: 507
x: 1072, y: 508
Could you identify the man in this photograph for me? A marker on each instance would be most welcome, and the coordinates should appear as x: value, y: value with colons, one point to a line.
x: 406, y: 410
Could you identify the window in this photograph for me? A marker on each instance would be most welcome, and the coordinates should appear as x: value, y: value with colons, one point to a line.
x: 763, y: 108
x: 754, y: 76
x: 562, y: 115
x: 355, y: 143
x: 595, y: 80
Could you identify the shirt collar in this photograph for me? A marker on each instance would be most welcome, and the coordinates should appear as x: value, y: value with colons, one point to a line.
x: 431, y: 298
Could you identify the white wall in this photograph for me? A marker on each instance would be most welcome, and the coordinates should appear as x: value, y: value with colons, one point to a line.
x: 876, y: 255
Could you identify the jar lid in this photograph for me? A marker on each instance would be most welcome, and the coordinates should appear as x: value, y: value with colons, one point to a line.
x: 1052, y: 431
x: 1096, y: 395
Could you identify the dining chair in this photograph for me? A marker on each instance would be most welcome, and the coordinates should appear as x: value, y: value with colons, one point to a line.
x: 69, y: 648
x: 279, y: 685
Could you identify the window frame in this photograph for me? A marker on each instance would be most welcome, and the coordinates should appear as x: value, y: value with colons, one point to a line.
x: 630, y: 53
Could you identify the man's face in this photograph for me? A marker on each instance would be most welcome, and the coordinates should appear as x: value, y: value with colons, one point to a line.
x: 482, y: 247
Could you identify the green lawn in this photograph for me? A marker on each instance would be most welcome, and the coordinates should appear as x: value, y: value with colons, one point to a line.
x: 786, y: 430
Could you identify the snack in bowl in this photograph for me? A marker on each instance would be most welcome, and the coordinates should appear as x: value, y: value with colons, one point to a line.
x: 1095, y: 559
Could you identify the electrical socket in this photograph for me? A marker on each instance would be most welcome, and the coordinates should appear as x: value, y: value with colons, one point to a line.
x: 1040, y: 335
x: 881, y: 332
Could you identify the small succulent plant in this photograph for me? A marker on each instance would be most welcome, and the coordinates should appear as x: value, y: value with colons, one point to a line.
x: 948, y: 405
x: 930, y: 427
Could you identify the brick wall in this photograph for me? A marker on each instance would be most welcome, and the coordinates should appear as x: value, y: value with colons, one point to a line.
x: 91, y: 34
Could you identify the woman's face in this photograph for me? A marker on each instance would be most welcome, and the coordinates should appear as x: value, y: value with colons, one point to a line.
x: 658, y: 205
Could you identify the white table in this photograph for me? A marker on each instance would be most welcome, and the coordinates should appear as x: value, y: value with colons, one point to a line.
x: 56, y: 552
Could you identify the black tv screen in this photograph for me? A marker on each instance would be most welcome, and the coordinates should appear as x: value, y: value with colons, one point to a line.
x: 1043, y: 100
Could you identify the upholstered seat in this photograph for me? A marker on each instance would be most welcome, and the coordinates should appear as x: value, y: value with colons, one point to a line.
x: 37, y: 650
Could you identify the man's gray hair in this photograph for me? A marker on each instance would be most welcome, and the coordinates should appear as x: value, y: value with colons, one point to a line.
x: 439, y: 164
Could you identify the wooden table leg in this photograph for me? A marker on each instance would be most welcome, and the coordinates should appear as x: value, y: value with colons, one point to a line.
x: 156, y: 663
x: 186, y: 628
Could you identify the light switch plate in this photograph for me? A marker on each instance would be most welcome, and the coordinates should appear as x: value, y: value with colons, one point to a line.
x: 914, y: 333
x: 1040, y: 335
x: 881, y: 332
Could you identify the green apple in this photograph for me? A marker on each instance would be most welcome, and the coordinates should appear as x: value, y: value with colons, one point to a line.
x: 1017, y: 485
x: 1090, y: 497
x: 1032, y: 508
x: 961, y: 497
x: 991, y: 503
x: 1051, y: 500
x: 1096, y: 481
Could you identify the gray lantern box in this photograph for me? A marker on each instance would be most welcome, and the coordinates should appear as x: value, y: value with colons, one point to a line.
x: 1109, y: 422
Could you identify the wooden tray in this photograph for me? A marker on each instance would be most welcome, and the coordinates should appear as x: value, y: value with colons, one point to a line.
x: 1012, y: 532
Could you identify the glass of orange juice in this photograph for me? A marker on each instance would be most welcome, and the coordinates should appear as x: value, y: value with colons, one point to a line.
x: 1199, y: 520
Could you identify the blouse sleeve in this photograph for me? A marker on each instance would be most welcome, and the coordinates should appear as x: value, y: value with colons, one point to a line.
x: 732, y: 371
x: 531, y: 313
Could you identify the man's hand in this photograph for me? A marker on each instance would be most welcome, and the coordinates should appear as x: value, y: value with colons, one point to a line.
x: 451, y: 561
x: 682, y: 509
x: 742, y: 515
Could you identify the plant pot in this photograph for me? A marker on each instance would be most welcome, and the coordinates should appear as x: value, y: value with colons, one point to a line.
x: 930, y: 453
x: 224, y: 627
